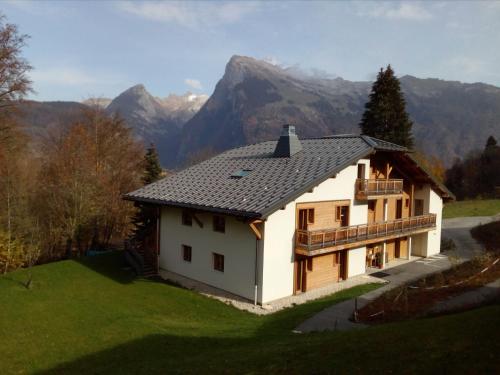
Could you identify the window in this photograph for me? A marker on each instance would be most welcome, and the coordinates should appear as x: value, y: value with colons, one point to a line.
x: 187, y: 219
x: 219, y: 224
x: 407, y: 202
x: 218, y: 262
x: 187, y: 253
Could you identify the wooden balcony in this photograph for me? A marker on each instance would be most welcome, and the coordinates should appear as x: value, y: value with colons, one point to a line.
x: 374, y: 188
x: 327, y: 240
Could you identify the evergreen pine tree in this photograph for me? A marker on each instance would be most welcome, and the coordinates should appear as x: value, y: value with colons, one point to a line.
x: 146, y: 214
x: 385, y: 115
x: 489, y: 165
x: 152, y: 167
x: 491, y: 142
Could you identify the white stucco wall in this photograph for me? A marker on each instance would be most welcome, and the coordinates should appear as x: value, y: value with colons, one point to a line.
x: 237, y: 245
x: 357, y: 262
x: 434, y: 236
x: 278, y: 254
x: 429, y: 243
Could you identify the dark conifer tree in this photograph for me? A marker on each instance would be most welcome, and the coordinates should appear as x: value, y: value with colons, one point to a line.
x: 146, y: 215
x: 385, y: 115
x: 152, y: 167
x: 491, y: 142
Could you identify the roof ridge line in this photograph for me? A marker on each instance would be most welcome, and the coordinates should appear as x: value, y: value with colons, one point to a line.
x: 369, y: 140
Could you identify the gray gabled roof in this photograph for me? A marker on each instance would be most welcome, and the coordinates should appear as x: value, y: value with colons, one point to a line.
x: 268, y: 182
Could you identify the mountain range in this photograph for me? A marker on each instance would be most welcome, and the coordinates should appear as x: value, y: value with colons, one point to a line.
x: 255, y: 98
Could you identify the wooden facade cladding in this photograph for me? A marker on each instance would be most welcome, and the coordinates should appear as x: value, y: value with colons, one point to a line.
x: 375, y: 188
x: 323, y: 214
x: 314, y: 242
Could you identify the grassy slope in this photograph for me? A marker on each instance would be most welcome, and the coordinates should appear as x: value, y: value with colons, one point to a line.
x: 477, y: 207
x: 93, y: 317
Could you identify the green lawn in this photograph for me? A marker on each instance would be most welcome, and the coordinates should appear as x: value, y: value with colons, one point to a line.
x: 476, y: 207
x: 93, y: 317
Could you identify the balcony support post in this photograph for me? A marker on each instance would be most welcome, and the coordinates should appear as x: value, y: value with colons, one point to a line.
x: 383, y: 255
x: 408, y: 253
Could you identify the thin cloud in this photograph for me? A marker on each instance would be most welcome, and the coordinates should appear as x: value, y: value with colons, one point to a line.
x: 193, y: 83
x: 395, y: 11
x: 190, y: 14
x: 64, y: 76
x: 39, y: 8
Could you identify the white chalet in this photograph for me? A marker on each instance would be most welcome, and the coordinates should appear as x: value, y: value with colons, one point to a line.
x: 273, y: 219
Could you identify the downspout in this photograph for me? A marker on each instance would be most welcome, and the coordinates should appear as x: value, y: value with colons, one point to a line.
x: 256, y: 285
x: 158, y: 239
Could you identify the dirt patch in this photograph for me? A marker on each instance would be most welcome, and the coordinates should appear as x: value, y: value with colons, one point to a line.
x: 415, y: 299
x: 488, y: 235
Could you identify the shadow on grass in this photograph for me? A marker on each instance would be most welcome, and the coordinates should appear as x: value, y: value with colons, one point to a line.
x: 449, y: 348
x: 261, y: 342
x: 175, y: 354
x: 111, y: 265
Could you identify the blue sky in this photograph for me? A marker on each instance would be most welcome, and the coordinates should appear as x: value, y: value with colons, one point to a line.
x: 83, y: 49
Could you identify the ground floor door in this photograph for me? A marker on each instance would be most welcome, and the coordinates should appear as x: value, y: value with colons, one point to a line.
x: 300, y: 275
x: 343, y: 262
x: 321, y: 270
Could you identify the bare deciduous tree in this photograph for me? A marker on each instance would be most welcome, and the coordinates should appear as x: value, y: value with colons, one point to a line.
x: 14, y: 81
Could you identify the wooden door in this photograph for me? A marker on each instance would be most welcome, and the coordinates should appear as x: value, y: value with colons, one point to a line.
x: 342, y: 215
x: 419, y: 207
x: 399, y: 209
x: 343, y: 263
x: 300, y: 275
x: 397, y: 248
x: 371, y: 211
x: 303, y: 219
x: 361, y: 171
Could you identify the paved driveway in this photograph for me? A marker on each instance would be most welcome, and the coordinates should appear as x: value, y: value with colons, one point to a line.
x: 458, y: 229
x: 337, y: 316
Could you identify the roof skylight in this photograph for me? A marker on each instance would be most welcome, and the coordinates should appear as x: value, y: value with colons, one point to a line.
x: 240, y: 173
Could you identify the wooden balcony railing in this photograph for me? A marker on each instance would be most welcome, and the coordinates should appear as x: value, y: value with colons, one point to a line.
x: 374, y: 187
x: 325, y: 238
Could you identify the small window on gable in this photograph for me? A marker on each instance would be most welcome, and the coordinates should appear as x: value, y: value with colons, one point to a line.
x: 187, y: 253
x: 187, y: 219
x: 219, y: 224
x: 218, y: 260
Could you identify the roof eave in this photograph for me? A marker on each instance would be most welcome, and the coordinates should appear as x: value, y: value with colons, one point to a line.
x: 223, y: 211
